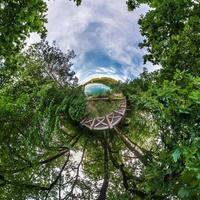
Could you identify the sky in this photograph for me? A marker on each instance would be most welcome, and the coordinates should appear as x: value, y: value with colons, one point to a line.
x: 103, y: 34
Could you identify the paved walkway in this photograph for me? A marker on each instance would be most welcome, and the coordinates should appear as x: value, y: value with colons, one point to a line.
x: 108, y: 121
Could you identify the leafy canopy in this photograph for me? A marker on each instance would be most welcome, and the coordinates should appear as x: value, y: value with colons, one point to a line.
x: 153, y: 154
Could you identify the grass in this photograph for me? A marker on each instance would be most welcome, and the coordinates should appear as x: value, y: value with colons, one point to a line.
x: 99, y: 108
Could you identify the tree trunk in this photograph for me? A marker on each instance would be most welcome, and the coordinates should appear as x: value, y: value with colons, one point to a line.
x: 104, y: 187
x: 132, y: 147
x: 126, y: 177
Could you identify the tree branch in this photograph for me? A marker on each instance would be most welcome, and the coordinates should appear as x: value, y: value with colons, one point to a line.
x: 77, y: 173
x: 57, y: 178
x: 50, y: 159
x: 132, y: 147
x: 125, y: 176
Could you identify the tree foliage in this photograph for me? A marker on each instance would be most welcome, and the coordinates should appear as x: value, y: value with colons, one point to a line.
x: 56, y: 64
x: 153, y: 154
x: 18, y: 20
x: 173, y: 108
x: 77, y: 108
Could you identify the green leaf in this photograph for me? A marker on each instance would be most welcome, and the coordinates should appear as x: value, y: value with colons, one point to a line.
x: 183, y: 193
x: 176, y: 155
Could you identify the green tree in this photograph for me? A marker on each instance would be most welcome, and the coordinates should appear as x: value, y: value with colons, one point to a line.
x: 170, y: 112
x: 171, y: 29
x: 18, y: 20
x: 29, y: 130
x: 77, y: 108
x: 56, y: 64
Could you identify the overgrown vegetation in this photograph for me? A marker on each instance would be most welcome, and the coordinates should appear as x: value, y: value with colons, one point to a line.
x: 77, y: 108
x: 100, y: 108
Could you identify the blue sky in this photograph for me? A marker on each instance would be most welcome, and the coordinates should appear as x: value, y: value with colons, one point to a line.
x: 103, y: 34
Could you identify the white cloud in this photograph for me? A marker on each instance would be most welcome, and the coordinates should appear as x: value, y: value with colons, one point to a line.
x: 102, y: 27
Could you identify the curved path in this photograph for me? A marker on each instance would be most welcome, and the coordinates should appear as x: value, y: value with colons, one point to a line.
x: 108, y: 121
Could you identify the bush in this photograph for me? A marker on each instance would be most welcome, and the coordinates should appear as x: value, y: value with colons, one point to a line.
x: 77, y: 108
